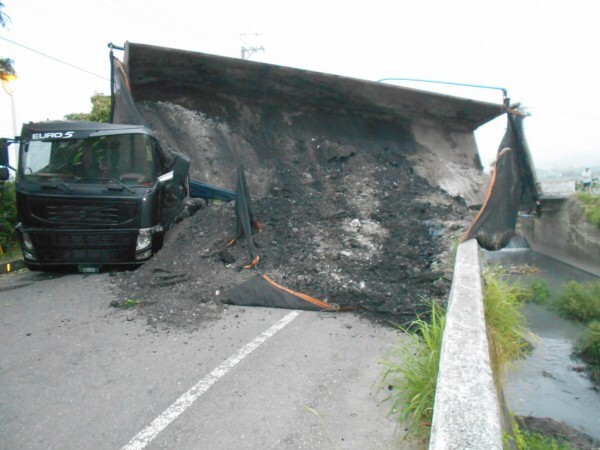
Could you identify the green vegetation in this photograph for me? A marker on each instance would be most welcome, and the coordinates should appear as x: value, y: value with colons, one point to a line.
x: 8, y: 217
x: 591, y: 206
x: 528, y: 440
x: 6, y: 64
x: 580, y: 301
x: 130, y: 303
x: 588, y: 345
x: 100, y: 110
x: 411, y: 372
x: 505, y: 322
x: 539, y: 292
x: 412, y: 368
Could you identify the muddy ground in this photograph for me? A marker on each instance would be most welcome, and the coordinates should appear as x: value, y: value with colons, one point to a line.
x: 350, y: 225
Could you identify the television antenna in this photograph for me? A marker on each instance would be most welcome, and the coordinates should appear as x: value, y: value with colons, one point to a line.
x: 250, y: 45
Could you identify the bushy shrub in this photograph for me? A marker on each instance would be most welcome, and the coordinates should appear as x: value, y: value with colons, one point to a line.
x: 8, y: 215
x: 580, y: 301
x: 588, y: 345
x: 591, y: 205
x: 539, y: 291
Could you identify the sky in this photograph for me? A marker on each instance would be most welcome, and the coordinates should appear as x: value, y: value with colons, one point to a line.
x: 545, y: 53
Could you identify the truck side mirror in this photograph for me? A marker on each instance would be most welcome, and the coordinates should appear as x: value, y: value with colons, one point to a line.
x: 181, y: 166
x: 4, y: 152
x: 4, y: 175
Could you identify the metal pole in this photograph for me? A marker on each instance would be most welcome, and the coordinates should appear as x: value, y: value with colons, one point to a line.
x: 14, y: 115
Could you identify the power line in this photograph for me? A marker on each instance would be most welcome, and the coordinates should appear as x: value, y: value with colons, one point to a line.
x: 53, y: 58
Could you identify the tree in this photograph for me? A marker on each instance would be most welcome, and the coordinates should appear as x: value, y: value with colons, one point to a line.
x: 100, y: 110
x: 4, y: 19
x: 6, y: 64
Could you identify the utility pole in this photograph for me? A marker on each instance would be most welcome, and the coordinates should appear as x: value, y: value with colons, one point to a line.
x: 8, y: 84
x: 250, y: 48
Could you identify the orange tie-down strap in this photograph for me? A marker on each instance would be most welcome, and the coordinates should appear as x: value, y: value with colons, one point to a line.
x: 258, y: 227
x: 467, y: 234
x: 256, y: 260
x: 315, y: 301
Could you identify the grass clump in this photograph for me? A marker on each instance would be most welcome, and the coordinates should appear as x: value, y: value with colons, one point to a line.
x: 580, y: 301
x: 506, y: 325
x: 539, y: 292
x: 130, y: 303
x: 412, y: 370
x: 530, y: 440
x: 588, y: 345
x: 591, y: 206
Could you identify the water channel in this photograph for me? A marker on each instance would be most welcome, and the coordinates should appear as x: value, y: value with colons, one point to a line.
x: 548, y: 383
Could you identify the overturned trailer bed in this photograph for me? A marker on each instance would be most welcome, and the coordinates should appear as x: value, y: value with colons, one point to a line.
x: 225, y: 111
x: 360, y: 187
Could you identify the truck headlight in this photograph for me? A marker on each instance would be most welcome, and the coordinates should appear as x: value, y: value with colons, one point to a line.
x: 144, y: 239
x: 144, y: 255
x: 27, y: 242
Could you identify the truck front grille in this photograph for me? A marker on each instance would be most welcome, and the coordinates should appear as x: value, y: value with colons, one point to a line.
x: 93, y: 246
x: 73, y: 212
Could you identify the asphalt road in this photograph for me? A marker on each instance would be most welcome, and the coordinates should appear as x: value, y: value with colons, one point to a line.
x: 76, y: 374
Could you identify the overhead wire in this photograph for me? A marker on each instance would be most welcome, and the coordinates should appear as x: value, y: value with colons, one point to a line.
x: 452, y: 83
x: 53, y: 58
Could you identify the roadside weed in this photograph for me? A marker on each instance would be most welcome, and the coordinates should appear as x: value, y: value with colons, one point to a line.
x: 529, y: 440
x: 130, y: 303
x: 504, y: 319
x: 412, y: 369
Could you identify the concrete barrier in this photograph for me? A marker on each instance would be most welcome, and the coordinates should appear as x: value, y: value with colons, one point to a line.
x: 564, y: 233
x: 467, y: 412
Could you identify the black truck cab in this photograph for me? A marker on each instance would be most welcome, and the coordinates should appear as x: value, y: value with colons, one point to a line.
x: 95, y: 194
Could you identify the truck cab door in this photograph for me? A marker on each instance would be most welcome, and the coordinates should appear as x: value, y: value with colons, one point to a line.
x: 174, y: 190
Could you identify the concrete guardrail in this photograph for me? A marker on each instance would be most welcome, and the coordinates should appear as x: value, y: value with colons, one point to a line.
x: 467, y: 411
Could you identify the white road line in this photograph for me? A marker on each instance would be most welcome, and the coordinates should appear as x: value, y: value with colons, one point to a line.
x: 144, y: 437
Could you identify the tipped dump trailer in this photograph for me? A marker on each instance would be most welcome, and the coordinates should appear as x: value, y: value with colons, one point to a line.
x: 222, y: 112
x: 280, y: 123
x: 358, y: 188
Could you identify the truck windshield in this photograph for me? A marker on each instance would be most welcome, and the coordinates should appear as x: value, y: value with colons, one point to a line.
x: 130, y: 158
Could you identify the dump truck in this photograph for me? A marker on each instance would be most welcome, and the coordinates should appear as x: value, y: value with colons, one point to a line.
x: 216, y: 114
x: 94, y: 194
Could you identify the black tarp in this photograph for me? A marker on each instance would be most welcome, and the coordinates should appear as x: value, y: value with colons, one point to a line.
x: 262, y: 291
x: 513, y: 188
x: 122, y: 109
